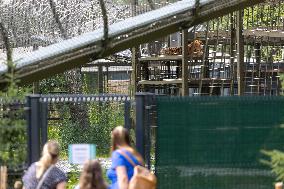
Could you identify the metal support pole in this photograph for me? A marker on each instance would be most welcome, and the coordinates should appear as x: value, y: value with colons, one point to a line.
x: 33, y: 121
x: 127, y: 121
x: 184, y: 63
x: 240, y: 49
x: 44, y: 122
x: 147, y: 131
x: 140, y: 118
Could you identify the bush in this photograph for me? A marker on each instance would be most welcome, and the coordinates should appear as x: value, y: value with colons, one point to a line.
x: 275, y: 162
x: 103, y: 118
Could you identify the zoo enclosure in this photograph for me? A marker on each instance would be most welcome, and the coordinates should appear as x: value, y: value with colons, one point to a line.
x: 39, y: 112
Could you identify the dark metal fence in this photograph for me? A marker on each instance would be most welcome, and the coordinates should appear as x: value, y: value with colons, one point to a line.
x: 39, y: 114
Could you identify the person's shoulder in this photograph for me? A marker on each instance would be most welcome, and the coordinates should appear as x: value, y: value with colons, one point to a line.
x: 58, y: 172
x: 116, y: 152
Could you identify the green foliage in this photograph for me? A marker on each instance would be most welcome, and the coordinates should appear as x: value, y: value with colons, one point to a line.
x: 12, y: 124
x: 282, y: 82
x: 73, y: 177
x: 275, y: 162
x: 53, y: 84
x: 103, y: 118
x: 276, y: 157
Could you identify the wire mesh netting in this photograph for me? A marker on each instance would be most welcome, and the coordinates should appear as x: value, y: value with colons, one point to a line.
x: 217, y: 142
x: 81, y: 122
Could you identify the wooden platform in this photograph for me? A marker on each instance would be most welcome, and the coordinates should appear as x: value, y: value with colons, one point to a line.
x: 190, y: 81
x: 251, y: 36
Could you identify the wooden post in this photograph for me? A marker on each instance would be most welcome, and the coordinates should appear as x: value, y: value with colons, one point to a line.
x: 233, y: 73
x: 184, y: 89
x: 100, y: 79
x: 3, y: 177
x: 240, y: 53
x: 134, y: 75
x: 258, y: 64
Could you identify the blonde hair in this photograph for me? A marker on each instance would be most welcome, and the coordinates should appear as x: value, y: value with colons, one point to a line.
x: 50, y: 153
x: 92, y: 176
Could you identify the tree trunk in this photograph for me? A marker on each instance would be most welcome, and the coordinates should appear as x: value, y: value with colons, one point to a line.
x: 74, y: 85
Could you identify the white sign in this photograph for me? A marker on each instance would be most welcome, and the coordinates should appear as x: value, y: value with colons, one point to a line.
x: 80, y: 153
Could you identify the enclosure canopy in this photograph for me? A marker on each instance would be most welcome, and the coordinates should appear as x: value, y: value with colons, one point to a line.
x: 133, y: 31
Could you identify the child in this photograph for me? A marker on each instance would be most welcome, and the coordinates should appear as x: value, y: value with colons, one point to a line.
x: 91, y: 176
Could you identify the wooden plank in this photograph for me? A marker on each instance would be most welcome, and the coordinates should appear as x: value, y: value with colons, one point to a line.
x: 264, y: 33
x: 246, y: 33
x: 179, y: 81
x: 160, y: 58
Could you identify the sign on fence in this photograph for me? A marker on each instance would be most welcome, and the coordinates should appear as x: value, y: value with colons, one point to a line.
x: 80, y: 153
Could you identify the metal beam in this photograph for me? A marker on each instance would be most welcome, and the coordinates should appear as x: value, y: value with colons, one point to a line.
x: 140, y: 29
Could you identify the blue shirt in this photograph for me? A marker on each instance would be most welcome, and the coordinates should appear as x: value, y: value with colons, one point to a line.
x: 120, y: 160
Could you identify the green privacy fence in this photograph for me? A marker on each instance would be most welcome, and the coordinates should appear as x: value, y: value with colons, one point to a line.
x: 215, y: 142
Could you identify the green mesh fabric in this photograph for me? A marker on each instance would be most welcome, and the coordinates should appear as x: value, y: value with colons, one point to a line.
x: 215, y: 143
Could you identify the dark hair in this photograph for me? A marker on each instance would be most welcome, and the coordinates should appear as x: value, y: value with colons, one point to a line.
x: 119, y: 136
x: 91, y: 176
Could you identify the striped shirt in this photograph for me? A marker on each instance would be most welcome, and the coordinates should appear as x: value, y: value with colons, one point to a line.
x: 54, y: 177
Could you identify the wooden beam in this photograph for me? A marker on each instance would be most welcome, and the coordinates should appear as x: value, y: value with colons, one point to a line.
x: 184, y: 87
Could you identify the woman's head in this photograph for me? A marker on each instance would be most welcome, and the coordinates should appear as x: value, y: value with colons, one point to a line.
x: 51, y: 150
x: 120, y: 137
x: 91, y: 177
x: 49, y: 156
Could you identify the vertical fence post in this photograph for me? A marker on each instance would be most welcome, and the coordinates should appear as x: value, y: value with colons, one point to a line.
x: 140, y: 117
x: 147, y: 130
x: 33, y: 121
x: 127, y: 122
x: 44, y: 122
x: 143, y: 125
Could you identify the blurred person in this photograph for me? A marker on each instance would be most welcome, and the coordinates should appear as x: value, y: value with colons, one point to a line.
x: 44, y: 174
x: 92, y: 176
x: 121, y: 170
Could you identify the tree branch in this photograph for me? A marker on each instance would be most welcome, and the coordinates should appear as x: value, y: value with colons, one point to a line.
x: 57, y: 20
x: 105, y: 20
x: 8, y: 48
